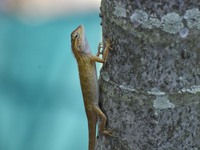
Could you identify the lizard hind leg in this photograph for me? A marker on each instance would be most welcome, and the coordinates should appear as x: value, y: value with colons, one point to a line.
x: 103, y: 119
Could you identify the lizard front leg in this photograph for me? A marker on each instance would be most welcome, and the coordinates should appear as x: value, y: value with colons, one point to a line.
x: 104, y: 53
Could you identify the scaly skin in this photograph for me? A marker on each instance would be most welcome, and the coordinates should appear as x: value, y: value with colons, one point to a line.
x: 89, y: 83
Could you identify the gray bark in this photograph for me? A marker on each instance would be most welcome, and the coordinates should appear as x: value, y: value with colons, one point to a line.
x: 150, y: 85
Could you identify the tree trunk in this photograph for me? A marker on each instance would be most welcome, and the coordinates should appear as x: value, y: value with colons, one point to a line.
x: 150, y: 85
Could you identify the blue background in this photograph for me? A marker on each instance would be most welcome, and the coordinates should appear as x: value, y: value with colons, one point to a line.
x: 41, y: 106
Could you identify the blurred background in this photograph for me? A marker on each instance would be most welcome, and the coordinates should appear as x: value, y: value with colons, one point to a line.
x: 41, y: 106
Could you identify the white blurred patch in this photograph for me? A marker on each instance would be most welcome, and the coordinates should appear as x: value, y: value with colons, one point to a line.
x: 49, y: 8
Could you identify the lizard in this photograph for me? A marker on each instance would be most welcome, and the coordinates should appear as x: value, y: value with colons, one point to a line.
x: 89, y: 82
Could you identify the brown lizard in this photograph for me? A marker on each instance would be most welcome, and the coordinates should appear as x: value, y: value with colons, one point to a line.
x: 89, y: 82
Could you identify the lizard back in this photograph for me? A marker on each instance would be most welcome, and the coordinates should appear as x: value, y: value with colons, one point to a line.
x: 88, y: 79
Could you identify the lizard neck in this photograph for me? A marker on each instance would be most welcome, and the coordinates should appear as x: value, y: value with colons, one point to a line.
x: 80, y: 48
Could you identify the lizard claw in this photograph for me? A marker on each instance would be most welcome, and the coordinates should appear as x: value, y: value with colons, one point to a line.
x: 99, y: 49
x: 104, y: 52
x: 109, y: 44
x: 108, y: 133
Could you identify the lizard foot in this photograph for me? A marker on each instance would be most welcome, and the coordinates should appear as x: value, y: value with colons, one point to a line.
x: 99, y: 49
x: 108, y: 133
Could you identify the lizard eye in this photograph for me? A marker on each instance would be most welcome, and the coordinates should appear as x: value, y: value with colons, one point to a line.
x: 76, y: 35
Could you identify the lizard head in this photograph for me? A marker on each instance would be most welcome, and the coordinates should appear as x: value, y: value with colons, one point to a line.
x: 79, y: 42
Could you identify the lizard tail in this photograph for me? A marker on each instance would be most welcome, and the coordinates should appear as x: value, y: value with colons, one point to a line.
x: 92, y: 131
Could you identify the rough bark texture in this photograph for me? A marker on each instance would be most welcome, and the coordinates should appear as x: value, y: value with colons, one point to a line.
x: 150, y: 86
